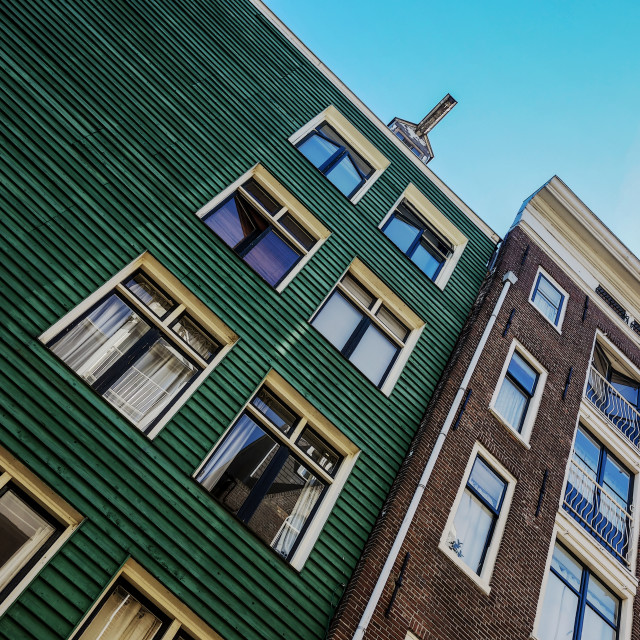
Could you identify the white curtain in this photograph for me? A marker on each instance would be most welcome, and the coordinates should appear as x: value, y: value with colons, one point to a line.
x: 34, y: 530
x: 98, y: 340
x: 243, y: 433
x: 291, y: 527
x: 558, y: 611
x: 511, y: 403
x: 150, y: 383
x: 122, y: 617
x: 471, y: 527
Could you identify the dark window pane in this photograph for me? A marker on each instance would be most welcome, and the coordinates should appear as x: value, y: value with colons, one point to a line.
x: 292, y: 226
x: 100, y: 339
x: 487, y: 483
x: 235, y: 220
x: 238, y: 463
x: 203, y: 344
x: 374, y: 354
x: 320, y: 452
x: 150, y: 383
x: 123, y: 617
x: 358, y: 160
x: 401, y: 232
x: 523, y: 373
x: 274, y: 410
x: 317, y: 149
x: 23, y: 531
x: 587, y: 453
x: 257, y: 192
x: 272, y: 257
x: 149, y: 294
x: 625, y: 386
x: 424, y: 258
x: 344, y: 175
x: 285, y: 508
x: 337, y: 320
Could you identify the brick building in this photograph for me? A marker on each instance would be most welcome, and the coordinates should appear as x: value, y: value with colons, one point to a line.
x: 513, y: 515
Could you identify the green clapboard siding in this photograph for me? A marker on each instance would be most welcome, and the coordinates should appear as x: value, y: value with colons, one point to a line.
x: 119, y: 121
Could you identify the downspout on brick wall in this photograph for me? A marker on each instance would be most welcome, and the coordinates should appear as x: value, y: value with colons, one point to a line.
x: 508, y: 279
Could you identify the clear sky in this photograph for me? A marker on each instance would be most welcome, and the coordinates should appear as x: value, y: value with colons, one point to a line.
x: 543, y: 88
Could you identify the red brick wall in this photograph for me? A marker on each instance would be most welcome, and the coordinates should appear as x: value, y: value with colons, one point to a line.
x: 437, y: 600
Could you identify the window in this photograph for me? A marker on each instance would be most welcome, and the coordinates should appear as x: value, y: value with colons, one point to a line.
x: 549, y: 298
x: 365, y: 325
x: 141, y: 342
x: 138, y: 607
x: 275, y: 466
x: 265, y: 226
x: 33, y: 525
x: 427, y: 237
x: 477, y: 519
x: 417, y: 240
x: 577, y: 605
x: 519, y: 391
x: 598, y: 494
x: 333, y: 145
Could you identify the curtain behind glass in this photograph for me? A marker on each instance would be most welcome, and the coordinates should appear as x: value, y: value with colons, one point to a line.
x: 471, y: 527
x: 511, y: 403
x: 22, y: 533
x: 559, y: 610
x: 150, y: 383
x: 122, y: 617
x: 100, y: 338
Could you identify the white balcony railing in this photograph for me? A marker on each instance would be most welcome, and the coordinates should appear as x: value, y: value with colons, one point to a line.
x: 613, y: 407
x: 599, y: 512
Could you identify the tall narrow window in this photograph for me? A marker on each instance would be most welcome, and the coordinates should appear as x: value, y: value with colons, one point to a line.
x: 417, y: 239
x: 26, y: 532
x: 517, y: 389
x: 477, y: 514
x: 365, y: 331
x: 272, y: 470
x: 138, y: 346
x: 336, y: 159
x: 598, y: 495
x: 548, y: 299
x: 577, y: 605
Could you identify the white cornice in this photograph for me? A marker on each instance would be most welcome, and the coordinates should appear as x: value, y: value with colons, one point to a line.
x: 327, y: 73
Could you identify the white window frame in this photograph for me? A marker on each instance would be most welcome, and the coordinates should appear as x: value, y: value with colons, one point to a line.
x: 183, y: 619
x: 12, y: 470
x: 311, y: 417
x: 483, y: 579
x: 534, y: 404
x: 290, y: 205
x: 440, y: 223
x: 616, y: 579
x: 186, y: 302
x: 360, y: 272
x: 563, y: 308
x: 354, y: 138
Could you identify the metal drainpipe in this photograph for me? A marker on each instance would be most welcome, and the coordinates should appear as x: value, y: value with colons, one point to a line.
x: 508, y: 279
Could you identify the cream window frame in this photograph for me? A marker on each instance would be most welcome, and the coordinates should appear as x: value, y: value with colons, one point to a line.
x: 616, y: 579
x: 439, y: 222
x: 12, y: 470
x: 384, y: 296
x: 311, y: 417
x: 483, y: 579
x: 534, y: 404
x: 563, y: 309
x: 183, y: 619
x: 186, y: 302
x: 289, y: 204
x: 354, y: 138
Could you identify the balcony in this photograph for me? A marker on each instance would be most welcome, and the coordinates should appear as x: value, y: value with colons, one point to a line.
x: 613, y: 407
x: 599, y: 512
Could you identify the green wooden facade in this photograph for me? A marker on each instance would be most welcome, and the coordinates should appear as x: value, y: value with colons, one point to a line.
x: 119, y: 121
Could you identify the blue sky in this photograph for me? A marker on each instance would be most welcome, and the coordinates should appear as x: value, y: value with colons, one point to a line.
x: 543, y: 88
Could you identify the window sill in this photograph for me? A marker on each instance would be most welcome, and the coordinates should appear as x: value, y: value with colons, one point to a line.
x: 514, y: 434
x: 482, y: 584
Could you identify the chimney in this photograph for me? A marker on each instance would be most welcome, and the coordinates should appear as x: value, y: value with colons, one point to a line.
x: 436, y: 114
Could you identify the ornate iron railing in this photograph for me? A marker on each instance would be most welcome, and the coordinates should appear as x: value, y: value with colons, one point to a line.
x: 613, y: 407
x: 599, y: 512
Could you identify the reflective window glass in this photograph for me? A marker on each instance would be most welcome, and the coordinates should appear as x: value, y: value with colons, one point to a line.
x: 149, y: 294
x: 487, y: 483
x: 201, y: 342
x: 274, y: 410
x: 272, y: 257
x: 373, y: 354
x: 548, y: 299
x: 337, y: 320
x: 523, y: 372
x: 319, y: 451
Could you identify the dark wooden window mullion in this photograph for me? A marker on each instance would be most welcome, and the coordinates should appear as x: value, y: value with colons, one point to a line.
x: 356, y: 336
